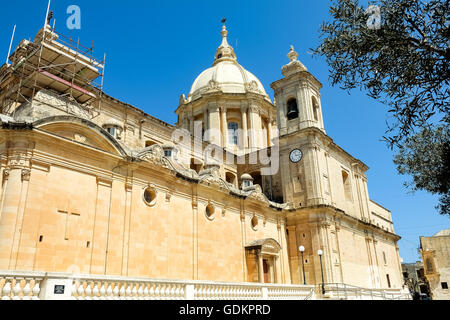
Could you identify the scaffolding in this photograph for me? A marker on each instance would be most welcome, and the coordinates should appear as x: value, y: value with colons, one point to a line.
x: 52, y: 62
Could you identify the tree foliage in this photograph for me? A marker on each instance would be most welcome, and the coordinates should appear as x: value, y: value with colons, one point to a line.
x: 404, y: 63
x: 426, y: 157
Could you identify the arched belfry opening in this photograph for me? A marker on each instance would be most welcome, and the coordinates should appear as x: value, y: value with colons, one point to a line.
x: 292, y: 109
x: 315, y: 107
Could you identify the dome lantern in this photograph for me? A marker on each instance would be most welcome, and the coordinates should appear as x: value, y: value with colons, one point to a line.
x: 225, y: 52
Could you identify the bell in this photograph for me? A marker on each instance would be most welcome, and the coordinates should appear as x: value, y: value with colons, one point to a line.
x: 292, y: 114
x: 292, y: 109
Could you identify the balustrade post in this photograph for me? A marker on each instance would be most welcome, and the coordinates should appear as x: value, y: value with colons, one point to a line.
x: 264, y: 293
x: 189, y: 292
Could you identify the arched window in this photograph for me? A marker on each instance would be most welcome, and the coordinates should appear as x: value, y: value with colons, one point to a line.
x: 231, y: 178
x: 292, y: 109
x: 257, y: 178
x: 347, y: 186
x: 429, y: 265
x: 233, y: 133
x: 113, y: 130
x: 315, y: 107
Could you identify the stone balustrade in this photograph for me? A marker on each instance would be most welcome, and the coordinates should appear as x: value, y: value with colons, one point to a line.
x: 63, y: 286
x: 20, y: 285
x: 349, y: 292
x: 43, y: 286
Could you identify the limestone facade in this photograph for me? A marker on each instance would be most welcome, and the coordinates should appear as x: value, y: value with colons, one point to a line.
x: 100, y: 187
x: 435, y: 253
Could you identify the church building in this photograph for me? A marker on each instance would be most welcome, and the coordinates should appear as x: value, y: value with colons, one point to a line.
x: 240, y: 189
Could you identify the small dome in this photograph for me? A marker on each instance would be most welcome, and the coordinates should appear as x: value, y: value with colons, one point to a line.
x: 226, y: 75
x: 246, y: 176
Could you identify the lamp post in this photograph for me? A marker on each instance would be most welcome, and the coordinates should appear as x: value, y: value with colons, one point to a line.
x: 302, y: 249
x: 320, y: 252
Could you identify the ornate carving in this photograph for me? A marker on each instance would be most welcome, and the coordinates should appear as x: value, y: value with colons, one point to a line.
x: 257, y: 194
x: 26, y: 174
x: 6, y: 174
x: 154, y: 155
x: 294, y: 65
x: 213, y: 86
x: 18, y: 160
x: 182, y: 99
x: 253, y: 109
x: 79, y: 138
x: 215, y: 181
x: 252, y: 86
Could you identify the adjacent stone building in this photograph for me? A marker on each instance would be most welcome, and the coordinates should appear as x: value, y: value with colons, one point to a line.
x: 435, y: 253
x: 93, y: 185
x: 414, y: 278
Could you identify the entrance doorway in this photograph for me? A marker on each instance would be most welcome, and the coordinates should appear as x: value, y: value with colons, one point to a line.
x: 266, y: 271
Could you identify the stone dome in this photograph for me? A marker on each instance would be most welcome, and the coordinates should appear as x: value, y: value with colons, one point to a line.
x: 226, y: 75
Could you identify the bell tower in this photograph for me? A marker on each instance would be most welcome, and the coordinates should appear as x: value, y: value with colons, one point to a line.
x: 300, y: 124
x: 297, y: 97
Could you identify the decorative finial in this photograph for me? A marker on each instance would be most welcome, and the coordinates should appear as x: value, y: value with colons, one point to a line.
x: 294, y: 65
x: 225, y: 51
x: 292, y: 55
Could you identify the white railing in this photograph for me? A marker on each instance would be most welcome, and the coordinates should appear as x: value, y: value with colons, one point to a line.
x: 349, y: 292
x: 20, y: 285
x: 43, y: 286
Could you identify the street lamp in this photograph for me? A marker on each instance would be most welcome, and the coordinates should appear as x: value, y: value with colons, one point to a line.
x: 302, y: 249
x: 320, y: 252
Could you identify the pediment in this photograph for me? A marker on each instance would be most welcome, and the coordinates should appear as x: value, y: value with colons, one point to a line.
x: 80, y: 131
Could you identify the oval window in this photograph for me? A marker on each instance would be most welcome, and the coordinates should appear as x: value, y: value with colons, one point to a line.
x: 209, y: 211
x: 254, y: 223
x: 150, y: 196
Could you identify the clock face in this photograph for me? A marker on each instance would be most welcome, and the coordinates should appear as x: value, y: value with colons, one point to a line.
x: 296, y: 155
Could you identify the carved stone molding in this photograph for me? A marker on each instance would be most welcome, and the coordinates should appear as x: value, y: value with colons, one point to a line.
x: 79, y: 138
x: 213, y: 86
x: 324, y: 224
x: 252, y: 86
x: 104, y: 181
x: 18, y: 160
x: 154, y: 155
x: 128, y: 187
x: 194, y: 204
x: 26, y: 174
x: 254, y: 109
x: 6, y: 174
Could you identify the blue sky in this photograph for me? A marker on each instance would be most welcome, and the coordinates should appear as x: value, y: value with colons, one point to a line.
x: 155, y: 50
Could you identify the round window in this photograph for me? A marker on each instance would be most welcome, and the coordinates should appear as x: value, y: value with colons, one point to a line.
x: 150, y: 196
